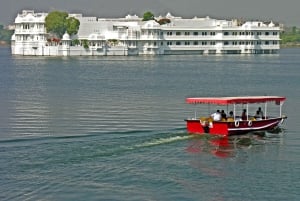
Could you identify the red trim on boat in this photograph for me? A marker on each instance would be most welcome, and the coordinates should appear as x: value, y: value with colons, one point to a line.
x: 235, y: 100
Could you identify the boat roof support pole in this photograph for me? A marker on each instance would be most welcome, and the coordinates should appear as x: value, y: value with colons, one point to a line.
x: 247, y: 113
x: 234, y: 112
x: 266, y: 105
x: 280, y: 109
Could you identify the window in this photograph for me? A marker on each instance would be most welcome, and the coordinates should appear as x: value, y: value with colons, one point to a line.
x: 226, y: 33
x: 196, y: 43
x: 178, y: 33
x: 267, y: 33
x: 204, y: 33
x: 195, y: 33
x: 186, y: 43
x: 187, y: 33
x: 275, y: 33
x: 178, y: 43
x: 204, y: 43
x: 212, y: 33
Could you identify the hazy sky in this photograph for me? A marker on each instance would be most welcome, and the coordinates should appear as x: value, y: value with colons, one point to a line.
x: 284, y: 11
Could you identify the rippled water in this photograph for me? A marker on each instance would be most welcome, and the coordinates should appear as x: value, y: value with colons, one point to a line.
x: 111, y: 128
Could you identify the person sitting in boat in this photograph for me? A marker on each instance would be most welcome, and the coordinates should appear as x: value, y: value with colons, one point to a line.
x: 230, y: 116
x: 244, y: 114
x: 216, y: 116
x: 258, y: 116
x: 223, y: 115
x: 260, y: 112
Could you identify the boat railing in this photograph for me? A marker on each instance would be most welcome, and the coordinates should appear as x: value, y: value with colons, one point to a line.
x: 233, y: 119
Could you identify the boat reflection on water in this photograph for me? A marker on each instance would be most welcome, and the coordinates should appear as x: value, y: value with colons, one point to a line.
x: 228, y: 146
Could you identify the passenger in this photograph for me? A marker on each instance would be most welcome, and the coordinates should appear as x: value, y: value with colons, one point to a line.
x: 257, y: 116
x: 244, y: 114
x: 223, y: 115
x: 260, y: 112
x: 216, y: 116
x: 230, y: 117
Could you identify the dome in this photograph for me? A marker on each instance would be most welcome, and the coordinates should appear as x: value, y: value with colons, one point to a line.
x: 271, y: 24
x: 66, y: 36
x: 151, y: 24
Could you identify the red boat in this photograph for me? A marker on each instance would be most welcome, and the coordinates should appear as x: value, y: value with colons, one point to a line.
x: 224, y: 124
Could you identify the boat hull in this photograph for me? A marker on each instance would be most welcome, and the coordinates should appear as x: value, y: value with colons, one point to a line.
x: 195, y: 126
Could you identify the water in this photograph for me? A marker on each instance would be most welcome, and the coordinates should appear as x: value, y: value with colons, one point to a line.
x: 111, y: 128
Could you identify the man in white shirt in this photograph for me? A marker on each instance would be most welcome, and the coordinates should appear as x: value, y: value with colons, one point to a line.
x: 216, y: 116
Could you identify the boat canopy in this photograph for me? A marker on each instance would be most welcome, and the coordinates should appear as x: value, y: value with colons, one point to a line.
x: 235, y: 100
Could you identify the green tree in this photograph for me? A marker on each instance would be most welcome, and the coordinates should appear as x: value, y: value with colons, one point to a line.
x: 5, y: 35
x: 56, y: 23
x: 148, y: 16
x: 85, y: 43
x: 294, y: 30
x: 72, y: 25
x: 75, y: 42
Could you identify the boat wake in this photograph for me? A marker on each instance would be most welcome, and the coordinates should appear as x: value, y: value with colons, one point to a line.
x: 162, y: 140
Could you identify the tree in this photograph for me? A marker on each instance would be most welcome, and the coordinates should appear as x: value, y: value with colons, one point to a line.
x: 56, y: 23
x: 148, y: 16
x: 72, y: 25
x: 163, y: 21
x: 85, y: 44
x: 5, y: 35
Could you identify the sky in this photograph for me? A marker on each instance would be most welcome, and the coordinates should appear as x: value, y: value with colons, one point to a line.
x: 282, y: 11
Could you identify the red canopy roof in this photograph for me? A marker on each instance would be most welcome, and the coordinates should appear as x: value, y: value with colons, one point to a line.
x: 235, y: 100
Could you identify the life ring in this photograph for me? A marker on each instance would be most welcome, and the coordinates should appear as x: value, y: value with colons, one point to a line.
x: 250, y: 123
x: 236, y: 123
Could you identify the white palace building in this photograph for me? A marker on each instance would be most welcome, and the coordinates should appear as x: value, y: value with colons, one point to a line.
x: 133, y: 36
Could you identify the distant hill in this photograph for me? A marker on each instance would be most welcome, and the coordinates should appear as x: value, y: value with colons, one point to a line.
x: 290, y: 37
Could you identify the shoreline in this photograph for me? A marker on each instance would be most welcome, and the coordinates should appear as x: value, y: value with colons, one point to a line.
x: 290, y: 45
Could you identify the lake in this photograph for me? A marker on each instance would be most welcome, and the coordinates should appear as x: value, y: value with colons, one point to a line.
x: 112, y: 128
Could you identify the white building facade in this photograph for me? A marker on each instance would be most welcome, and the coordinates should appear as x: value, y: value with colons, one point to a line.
x: 132, y: 36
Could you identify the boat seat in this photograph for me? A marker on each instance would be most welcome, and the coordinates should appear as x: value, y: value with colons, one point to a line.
x: 230, y: 119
